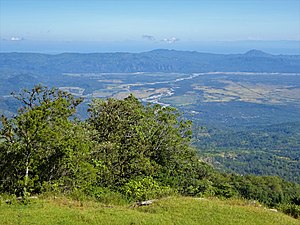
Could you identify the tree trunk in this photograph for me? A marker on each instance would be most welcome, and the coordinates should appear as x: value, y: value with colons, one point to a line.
x: 26, y: 176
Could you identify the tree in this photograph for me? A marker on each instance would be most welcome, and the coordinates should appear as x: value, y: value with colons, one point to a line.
x: 121, y: 153
x: 141, y: 141
x: 41, y: 144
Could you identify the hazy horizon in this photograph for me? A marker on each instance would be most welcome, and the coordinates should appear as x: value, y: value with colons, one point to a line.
x: 238, y: 47
x: 212, y: 26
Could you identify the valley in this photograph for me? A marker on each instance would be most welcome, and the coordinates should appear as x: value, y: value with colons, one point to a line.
x: 241, y: 105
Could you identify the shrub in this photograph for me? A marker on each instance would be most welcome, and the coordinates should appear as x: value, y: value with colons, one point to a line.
x: 107, y: 196
x: 290, y: 209
x: 8, y: 199
x: 145, y: 188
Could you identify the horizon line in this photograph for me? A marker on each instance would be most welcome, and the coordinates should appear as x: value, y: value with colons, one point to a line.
x: 139, y: 52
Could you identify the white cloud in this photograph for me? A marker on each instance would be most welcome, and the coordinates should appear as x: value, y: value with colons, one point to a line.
x: 149, y: 37
x: 170, y: 40
x: 254, y: 38
x: 16, y: 39
x: 166, y: 40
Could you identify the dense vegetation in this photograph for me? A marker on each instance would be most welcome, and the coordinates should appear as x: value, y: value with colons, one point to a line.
x: 272, y: 150
x: 122, y: 149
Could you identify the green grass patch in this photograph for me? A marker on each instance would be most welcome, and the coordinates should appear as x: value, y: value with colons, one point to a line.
x: 183, y: 100
x: 175, y: 210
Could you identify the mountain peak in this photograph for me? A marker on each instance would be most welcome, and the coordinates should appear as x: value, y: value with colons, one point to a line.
x: 255, y: 52
x: 159, y: 50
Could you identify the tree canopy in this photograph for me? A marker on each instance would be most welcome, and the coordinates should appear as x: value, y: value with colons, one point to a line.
x: 136, y: 140
x: 41, y: 144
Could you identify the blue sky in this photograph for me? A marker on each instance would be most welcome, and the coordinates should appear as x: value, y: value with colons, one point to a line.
x: 66, y: 25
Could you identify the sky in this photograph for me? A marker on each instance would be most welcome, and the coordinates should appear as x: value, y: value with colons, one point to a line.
x: 140, y: 25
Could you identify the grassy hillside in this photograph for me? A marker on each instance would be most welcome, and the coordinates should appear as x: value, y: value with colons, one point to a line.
x: 166, y: 211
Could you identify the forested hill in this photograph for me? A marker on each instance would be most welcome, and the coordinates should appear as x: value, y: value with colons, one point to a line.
x: 160, y: 60
x: 272, y: 150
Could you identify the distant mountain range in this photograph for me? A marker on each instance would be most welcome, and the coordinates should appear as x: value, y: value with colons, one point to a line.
x: 160, y: 60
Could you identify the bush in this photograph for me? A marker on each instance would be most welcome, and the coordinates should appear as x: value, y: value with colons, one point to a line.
x: 290, y: 209
x: 8, y: 199
x: 107, y: 196
x: 145, y: 188
x: 225, y: 190
x: 78, y: 195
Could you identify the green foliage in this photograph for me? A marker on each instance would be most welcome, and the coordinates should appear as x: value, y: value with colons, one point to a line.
x: 270, y: 191
x: 290, y: 209
x: 8, y: 199
x: 266, y: 150
x: 121, y: 153
x: 107, y: 196
x: 141, y: 189
x: 41, y: 144
x: 134, y: 140
x: 266, y: 189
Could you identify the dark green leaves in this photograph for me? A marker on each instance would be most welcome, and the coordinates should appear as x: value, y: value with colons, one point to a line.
x: 41, y: 144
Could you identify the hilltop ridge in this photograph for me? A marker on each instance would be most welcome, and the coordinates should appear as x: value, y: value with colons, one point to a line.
x: 159, y: 60
x: 257, y: 53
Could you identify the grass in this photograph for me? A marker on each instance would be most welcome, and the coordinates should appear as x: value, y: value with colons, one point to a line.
x: 248, y: 92
x: 175, y: 210
x: 183, y: 100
